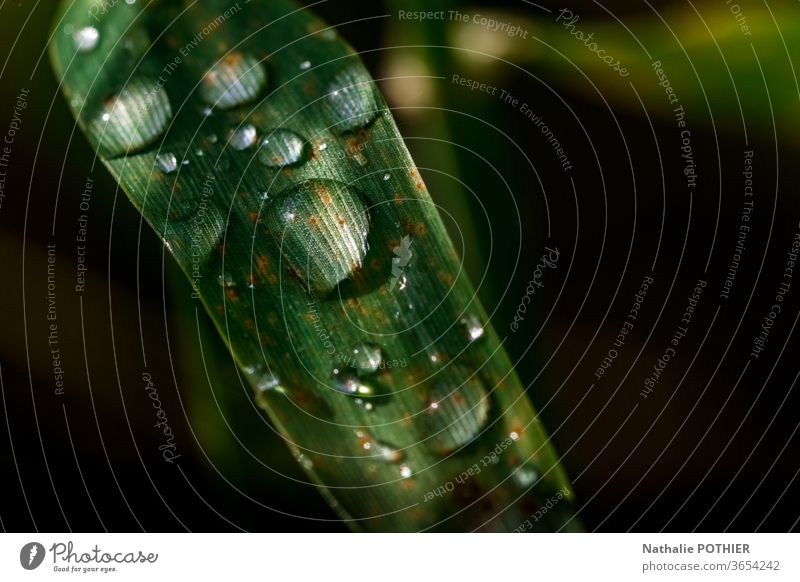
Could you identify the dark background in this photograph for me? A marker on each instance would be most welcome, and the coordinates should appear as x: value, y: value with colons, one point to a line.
x: 712, y: 449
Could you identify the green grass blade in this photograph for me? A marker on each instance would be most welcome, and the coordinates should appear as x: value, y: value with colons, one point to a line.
x: 253, y: 140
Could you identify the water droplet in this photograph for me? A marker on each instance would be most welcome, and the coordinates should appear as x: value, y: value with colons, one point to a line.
x: 166, y: 162
x: 86, y: 39
x: 305, y: 462
x: 207, y: 111
x: 280, y: 148
x: 193, y: 239
x: 348, y: 383
x: 365, y: 404
x: 388, y: 453
x: 305, y: 65
x: 322, y: 147
x: 352, y: 99
x: 456, y: 413
x: 367, y: 358
x: 386, y: 177
x: 472, y: 327
x: 235, y: 80
x: 525, y: 476
x: 242, y: 137
x: 405, y: 471
x: 226, y: 280
x: 133, y: 118
x: 321, y: 227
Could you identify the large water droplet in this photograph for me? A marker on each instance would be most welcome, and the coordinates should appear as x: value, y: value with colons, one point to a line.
x: 242, y: 137
x: 235, y: 80
x: 166, y: 162
x: 321, y: 227
x: 86, y: 39
x: 280, y: 148
x: 133, y: 118
x: 352, y: 99
x: 366, y: 359
x: 456, y: 413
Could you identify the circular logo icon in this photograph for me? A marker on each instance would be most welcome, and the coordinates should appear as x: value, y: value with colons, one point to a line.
x: 31, y: 555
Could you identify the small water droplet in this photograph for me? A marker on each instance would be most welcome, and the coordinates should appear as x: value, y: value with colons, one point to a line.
x: 236, y: 79
x: 305, y: 462
x: 226, y: 280
x: 305, y: 65
x: 388, y: 453
x: 242, y: 137
x: 280, y: 148
x: 402, y: 282
x: 386, y: 177
x: 166, y: 162
x: 405, y: 471
x: 348, y: 383
x: 352, y: 99
x: 365, y: 404
x: 133, y: 118
x: 322, y: 147
x: 456, y: 413
x: 367, y: 358
x: 207, y: 111
x: 472, y: 327
x: 321, y: 228
x: 86, y: 39
x: 525, y: 476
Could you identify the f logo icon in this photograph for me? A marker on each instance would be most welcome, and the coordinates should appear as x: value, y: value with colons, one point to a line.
x: 31, y: 555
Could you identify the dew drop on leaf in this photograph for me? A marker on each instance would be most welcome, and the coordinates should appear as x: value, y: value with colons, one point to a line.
x: 242, y: 137
x: 234, y: 80
x: 321, y: 228
x: 166, y: 162
x: 352, y: 100
x: 280, y: 148
x: 348, y: 383
x: 132, y: 118
x: 86, y: 39
x: 405, y: 471
x: 366, y: 359
x: 456, y: 412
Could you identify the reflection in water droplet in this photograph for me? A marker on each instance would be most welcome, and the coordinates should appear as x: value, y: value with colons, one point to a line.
x: 405, y: 471
x: 367, y: 358
x: 348, y: 383
x: 236, y: 79
x: 388, y: 453
x: 386, y: 177
x: 305, y: 65
x: 321, y: 227
x: 242, y: 137
x: 86, y: 39
x: 280, y: 148
x: 167, y: 162
x: 133, y: 118
x: 472, y: 327
x: 456, y: 413
x: 352, y: 99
